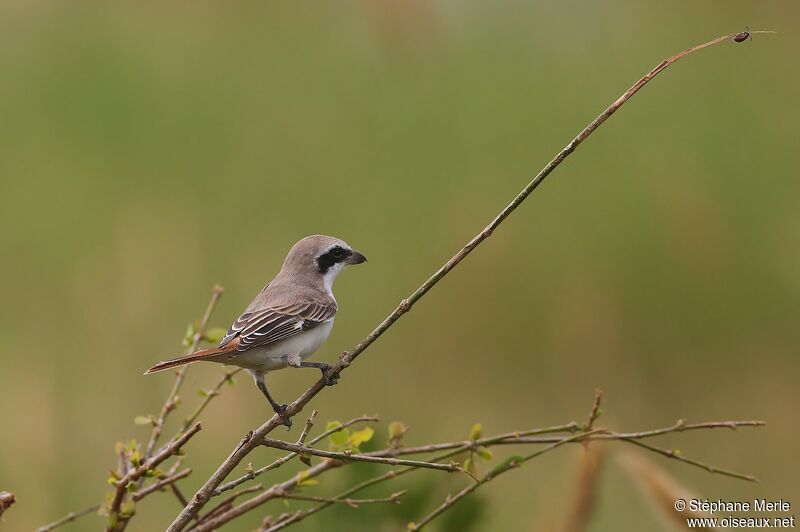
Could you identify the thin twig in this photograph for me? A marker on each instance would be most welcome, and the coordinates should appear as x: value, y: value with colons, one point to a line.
x: 172, y: 399
x: 282, y: 460
x: 160, y: 484
x: 227, y: 503
x: 178, y: 495
x: 675, y: 454
x: 520, y: 437
x: 350, y: 457
x: 138, y: 472
x: 227, y: 377
x: 513, y: 463
x: 394, y: 498
x: 202, y: 496
x: 72, y: 516
x: 594, y: 413
x: 267, y: 495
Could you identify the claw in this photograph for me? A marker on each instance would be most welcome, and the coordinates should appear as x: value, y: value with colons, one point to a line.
x: 330, y: 378
x: 281, y: 411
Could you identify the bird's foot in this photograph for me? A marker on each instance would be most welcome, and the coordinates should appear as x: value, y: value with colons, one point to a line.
x: 329, y: 376
x: 281, y: 411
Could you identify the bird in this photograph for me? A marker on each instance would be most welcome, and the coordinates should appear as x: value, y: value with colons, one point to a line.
x: 287, y: 321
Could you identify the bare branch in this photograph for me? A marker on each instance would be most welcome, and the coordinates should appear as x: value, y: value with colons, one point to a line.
x: 160, y: 484
x: 676, y: 454
x: 227, y: 503
x: 206, y: 491
x: 72, y: 516
x: 394, y: 498
x: 350, y: 457
x: 172, y: 399
x: 267, y: 495
x: 512, y: 463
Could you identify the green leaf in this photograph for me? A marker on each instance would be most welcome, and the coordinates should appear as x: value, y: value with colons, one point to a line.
x: 469, y: 465
x: 127, y: 509
x: 145, y: 420
x: 338, y: 439
x: 361, y: 436
x: 303, y: 480
x: 215, y: 335
x: 397, y: 430
x: 505, y: 464
x: 485, y: 453
x: 476, y: 432
x: 188, y: 337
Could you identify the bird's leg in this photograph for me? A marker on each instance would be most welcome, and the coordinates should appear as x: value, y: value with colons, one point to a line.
x: 279, y: 409
x: 327, y: 377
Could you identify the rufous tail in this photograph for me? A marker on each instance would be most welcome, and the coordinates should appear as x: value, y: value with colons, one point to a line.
x: 180, y: 361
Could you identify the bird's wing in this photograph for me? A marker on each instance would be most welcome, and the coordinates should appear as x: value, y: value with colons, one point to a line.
x: 262, y: 327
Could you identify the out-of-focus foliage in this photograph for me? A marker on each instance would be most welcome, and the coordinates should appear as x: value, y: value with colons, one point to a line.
x: 151, y: 150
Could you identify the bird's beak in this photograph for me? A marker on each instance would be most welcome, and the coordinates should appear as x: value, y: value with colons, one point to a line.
x: 355, y: 258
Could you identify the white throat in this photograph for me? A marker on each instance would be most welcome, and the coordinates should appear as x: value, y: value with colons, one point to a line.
x: 329, y: 276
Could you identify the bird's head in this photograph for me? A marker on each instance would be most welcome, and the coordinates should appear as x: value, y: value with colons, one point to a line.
x: 321, y: 256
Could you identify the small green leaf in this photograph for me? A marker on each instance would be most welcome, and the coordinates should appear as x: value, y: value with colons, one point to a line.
x: 485, y: 453
x: 476, y: 432
x: 397, y: 429
x: 188, y: 337
x: 508, y: 463
x: 144, y: 420
x: 202, y: 393
x: 215, y: 335
x: 338, y: 439
x: 127, y: 509
x: 361, y: 436
x: 469, y: 465
x: 303, y: 480
x: 332, y: 425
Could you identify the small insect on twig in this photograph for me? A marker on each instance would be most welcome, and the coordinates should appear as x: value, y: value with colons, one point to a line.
x: 742, y: 36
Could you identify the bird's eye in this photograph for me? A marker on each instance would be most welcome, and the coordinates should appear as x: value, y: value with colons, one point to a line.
x: 337, y: 252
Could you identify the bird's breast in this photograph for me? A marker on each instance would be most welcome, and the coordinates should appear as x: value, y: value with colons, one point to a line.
x: 270, y: 357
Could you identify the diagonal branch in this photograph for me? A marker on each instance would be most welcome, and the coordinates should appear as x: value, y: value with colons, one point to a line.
x: 202, y: 496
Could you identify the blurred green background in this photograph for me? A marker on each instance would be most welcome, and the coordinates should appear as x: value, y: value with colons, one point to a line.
x: 151, y: 150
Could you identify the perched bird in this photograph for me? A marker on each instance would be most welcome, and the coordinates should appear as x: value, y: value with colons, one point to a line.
x: 288, y: 320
